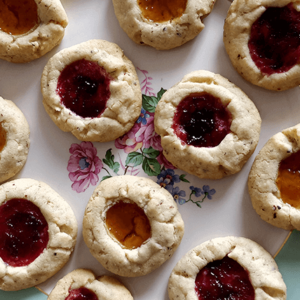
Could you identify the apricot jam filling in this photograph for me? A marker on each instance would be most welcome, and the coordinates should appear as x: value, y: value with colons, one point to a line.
x: 2, y: 137
x: 224, y: 279
x: 288, y: 180
x: 83, y: 87
x: 201, y: 120
x: 274, y: 42
x: 18, y: 16
x: 162, y: 10
x: 23, y: 232
x: 81, y: 294
x: 128, y: 223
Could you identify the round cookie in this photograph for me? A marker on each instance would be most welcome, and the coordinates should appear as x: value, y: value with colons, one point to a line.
x: 162, y: 24
x: 83, y: 283
x: 104, y: 98
x: 29, y: 29
x: 228, y: 152
x: 255, y: 262
x: 258, y: 49
x: 14, y: 139
x: 266, y: 196
x: 42, y: 233
x: 158, y: 214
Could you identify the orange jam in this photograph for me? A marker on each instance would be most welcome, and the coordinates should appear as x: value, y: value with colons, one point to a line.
x: 128, y: 224
x: 162, y: 10
x: 18, y: 16
x: 2, y: 137
x: 288, y: 180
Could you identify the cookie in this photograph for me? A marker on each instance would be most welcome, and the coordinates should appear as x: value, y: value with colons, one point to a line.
x: 92, y: 91
x: 131, y: 225
x: 84, y: 285
x: 162, y: 24
x: 261, y: 38
x: 14, y: 139
x: 227, y: 268
x: 37, y: 233
x: 273, y: 181
x: 30, y: 28
x: 208, y: 126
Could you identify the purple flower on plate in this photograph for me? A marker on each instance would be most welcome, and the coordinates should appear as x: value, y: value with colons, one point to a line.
x: 177, y: 194
x: 84, y: 166
x: 196, y: 191
x: 168, y: 176
x: 143, y: 117
x: 207, y: 192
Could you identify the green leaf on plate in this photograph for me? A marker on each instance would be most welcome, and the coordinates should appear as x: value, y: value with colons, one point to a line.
x: 151, y: 166
x: 152, y: 153
x: 105, y: 177
x: 134, y: 158
x: 109, y: 160
x: 160, y: 93
x: 149, y: 103
x: 182, y: 178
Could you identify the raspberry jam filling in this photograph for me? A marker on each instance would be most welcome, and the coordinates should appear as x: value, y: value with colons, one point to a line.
x: 288, y: 180
x: 128, y: 224
x: 224, y: 279
x: 201, y: 120
x: 162, y: 10
x: 81, y: 294
x: 275, y: 40
x: 23, y: 232
x: 83, y: 87
x: 2, y: 137
x: 18, y: 16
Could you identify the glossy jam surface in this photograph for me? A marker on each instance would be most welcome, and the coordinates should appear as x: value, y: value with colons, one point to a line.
x: 2, y: 137
x: 81, y: 294
x: 224, y: 279
x: 288, y: 180
x: 162, y: 10
x: 18, y: 16
x: 201, y: 120
x: 83, y: 87
x: 23, y: 232
x: 128, y: 224
x: 275, y: 40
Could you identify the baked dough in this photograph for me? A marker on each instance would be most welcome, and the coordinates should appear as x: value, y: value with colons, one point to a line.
x: 62, y: 229
x: 241, y: 15
x: 235, y: 149
x: 14, y: 153
x: 41, y: 39
x: 125, y: 102
x: 167, y: 227
x: 263, y: 190
x: 263, y: 271
x: 164, y: 35
x: 105, y: 287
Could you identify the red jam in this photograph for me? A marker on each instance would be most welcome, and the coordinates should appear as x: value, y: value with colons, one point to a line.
x: 129, y: 224
x: 23, y: 232
x: 275, y: 40
x: 81, y: 294
x: 18, y: 16
x: 162, y: 10
x: 224, y: 279
x: 83, y: 87
x: 2, y: 138
x: 288, y: 180
x: 201, y: 120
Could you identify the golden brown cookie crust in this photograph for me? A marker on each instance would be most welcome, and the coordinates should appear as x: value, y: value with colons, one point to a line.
x: 41, y: 39
x: 167, y: 226
x: 105, y: 287
x: 62, y: 229
x: 123, y: 107
x: 165, y: 35
x: 14, y: 154
x: 263, y: 271
x: 233, y: 152
x: 263, y: 190
x: 241, y: 15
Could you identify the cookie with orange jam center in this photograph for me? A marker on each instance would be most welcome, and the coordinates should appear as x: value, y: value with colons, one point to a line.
x: 2, y: 137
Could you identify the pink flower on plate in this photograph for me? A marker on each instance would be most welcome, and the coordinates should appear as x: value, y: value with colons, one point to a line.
x: 84, y: 166
x: 163, y: 161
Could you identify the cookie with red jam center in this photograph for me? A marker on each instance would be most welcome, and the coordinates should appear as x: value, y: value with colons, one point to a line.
x: 38, y: 232
x: 227, y: 268
x: 92, y: 91
x: 82, y: 284
x: 263, y: 43
x: 208, y: 126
